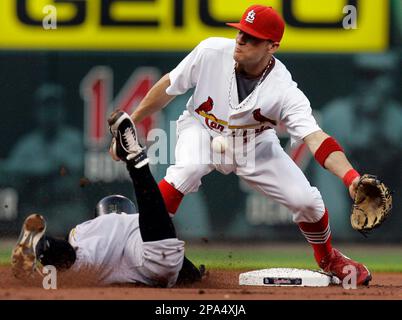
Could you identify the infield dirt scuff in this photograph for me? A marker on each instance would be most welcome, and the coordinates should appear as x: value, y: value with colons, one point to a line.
x: 218, y: 285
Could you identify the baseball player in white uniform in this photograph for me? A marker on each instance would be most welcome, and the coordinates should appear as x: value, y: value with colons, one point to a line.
x: 120, y: 246
x: 241, y: 89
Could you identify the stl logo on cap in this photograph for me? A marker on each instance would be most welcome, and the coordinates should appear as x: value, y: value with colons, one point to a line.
x: 268, y: 26
x: 250, y: 16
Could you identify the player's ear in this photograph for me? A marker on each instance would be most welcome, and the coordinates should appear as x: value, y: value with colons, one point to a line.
x: 273, y: 46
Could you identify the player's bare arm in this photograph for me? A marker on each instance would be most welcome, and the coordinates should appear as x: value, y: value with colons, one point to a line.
x: 336, y: 162
x: 155, y: 100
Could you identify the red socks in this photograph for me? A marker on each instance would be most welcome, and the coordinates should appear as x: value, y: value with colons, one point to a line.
x: 318, y: 234
x: 170, y: 195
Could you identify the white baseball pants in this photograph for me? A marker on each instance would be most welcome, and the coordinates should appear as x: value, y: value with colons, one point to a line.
x: 272, y: 172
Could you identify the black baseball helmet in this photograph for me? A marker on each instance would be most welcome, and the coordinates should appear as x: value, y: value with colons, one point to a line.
x: 115, y: 204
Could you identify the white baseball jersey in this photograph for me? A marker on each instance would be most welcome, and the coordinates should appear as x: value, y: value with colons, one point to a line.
x: 111, y: 245
x: 214, y: 110
x: 210, y: 69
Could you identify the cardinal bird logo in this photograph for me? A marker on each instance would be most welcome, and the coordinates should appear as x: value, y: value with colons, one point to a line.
x: 210, y: 119
x: 206, y: 106
x: 260, y: 118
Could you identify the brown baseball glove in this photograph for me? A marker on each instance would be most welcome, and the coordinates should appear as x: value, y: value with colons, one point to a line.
x: 372, y: 204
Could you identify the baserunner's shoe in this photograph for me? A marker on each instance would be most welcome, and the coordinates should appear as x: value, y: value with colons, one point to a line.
x: 23, y: 259
x: 189, y: 273
x: 125, y: 145
x: 340, y: 266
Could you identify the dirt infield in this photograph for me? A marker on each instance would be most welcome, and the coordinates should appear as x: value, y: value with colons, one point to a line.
x: 218, y: 285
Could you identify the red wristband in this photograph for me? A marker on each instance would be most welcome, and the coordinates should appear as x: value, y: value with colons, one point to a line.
x: 349, y: 177
x: 328, y: 146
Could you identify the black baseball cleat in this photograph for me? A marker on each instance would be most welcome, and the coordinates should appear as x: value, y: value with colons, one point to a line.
x: 189, y: 273
x: 125, y: 146
x: 23, y: 259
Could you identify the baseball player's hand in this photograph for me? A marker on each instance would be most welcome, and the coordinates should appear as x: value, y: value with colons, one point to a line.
x: 353, y: 187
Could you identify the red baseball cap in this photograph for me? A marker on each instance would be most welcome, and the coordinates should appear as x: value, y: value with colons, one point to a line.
x: 261, y: 22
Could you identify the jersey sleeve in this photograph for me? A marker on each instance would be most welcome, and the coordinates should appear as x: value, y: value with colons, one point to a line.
x: 297, y: 115
x: 185, y: 75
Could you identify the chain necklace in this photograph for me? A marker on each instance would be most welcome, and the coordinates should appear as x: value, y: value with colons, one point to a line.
x: 244, y: 102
